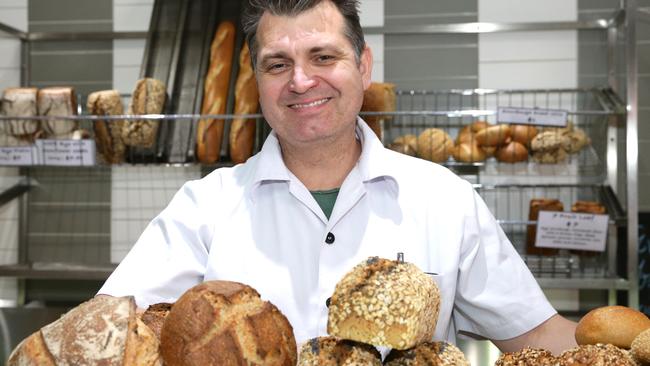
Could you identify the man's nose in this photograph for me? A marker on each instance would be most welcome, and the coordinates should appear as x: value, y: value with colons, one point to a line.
x: 302, y: 80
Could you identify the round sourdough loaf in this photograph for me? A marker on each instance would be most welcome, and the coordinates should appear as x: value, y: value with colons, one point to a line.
x: 435, y: 145
x: 618, y: 325
x: 226, y: 323
x: 102, y: 331
x: 332, y: 351
x: 384, y: 303
x: 155, y: 315
x: 426, y: 354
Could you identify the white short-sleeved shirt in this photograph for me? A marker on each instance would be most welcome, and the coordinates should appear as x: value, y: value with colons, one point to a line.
x: 256, y: 223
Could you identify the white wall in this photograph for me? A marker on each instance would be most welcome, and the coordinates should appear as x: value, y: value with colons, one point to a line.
x: 14, y: 14
x: 372, y: 15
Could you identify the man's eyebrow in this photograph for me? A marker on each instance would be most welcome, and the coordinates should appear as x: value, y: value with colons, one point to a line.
x: 329, y: 48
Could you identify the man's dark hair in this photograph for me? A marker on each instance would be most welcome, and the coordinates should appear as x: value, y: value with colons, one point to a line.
x: 256, y: 8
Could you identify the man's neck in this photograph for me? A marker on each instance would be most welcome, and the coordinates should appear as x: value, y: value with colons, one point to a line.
x: 325, y: 165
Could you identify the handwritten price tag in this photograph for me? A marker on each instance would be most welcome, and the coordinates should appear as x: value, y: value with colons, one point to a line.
x: 571, y: 231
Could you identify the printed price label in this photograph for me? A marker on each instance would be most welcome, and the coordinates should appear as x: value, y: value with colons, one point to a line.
x: 18, y: 155
x: 532, y: 116
x: 571, y: 231
x: 67, y: 152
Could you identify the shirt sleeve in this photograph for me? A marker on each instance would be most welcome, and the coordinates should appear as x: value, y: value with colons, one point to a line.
x: 169, y: 257
x: 497, y: 297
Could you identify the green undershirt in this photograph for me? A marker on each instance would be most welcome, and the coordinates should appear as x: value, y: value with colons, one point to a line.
x: 326, y: 200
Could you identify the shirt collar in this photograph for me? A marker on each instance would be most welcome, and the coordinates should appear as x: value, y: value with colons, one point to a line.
x: 373, y: 164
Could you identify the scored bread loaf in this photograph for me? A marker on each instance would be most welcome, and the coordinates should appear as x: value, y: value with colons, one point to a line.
x: 427, y: 353
x: 102, y: 331
x: 537, y: 205
x: 148, y: 98
x: 59, y: 102
x: 595, y: 355
x: 155, y: 316
x: 617, y: 325
x: 209, y: 132
x: 226, y: 323
x: 469, y: 152
x: 379, y: 97
x: 242, y: 131
x: 384, y: 303
x: 332, y: 351
x: 19, y: 102
x: 108, y: 134
x: 513, y: 152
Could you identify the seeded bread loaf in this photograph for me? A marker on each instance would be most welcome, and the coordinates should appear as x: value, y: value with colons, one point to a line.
x: 379, y: 97
x: 618, y: 325
x: 148, y: 98
x: 209, y: 132
x: 242, y: 131
x: 640, y: 348
x: 226, y: 323
x: 332, y: 351
x: 384, y: 303
x: 527, y: 357
x: 596, y: 355
x: 19, y: 102
x: 108, y: 134
x: 101, y: 331
x: 57, y: 102
x: 428, y: 353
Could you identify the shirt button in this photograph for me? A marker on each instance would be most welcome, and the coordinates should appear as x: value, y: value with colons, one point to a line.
x: 330, y: 238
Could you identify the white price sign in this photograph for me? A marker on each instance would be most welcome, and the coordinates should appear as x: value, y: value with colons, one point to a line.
x: 18, y: 155
x: 67, y: 152
x: 532, y: 116
x: 567, y: 230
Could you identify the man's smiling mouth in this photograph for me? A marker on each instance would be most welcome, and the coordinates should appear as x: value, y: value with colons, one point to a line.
x: 311, y: 104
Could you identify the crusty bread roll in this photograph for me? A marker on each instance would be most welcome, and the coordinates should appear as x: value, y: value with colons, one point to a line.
x: 640, y: 348
x: 595, y: 355
x: 617, y: 325
x: 209, y: 132
x: 332, y: 351
x: 384, y: 303
x: 466, y: 135
x: 469, y: 153
x: 536, y: 205
x: 427, y: 353
x: 242, y: 131
x: 226, y: 323
x: 513, y: 152
x: 523, y: 134
x: 148, y: 98
x: 108, y: 134
x: 479, y: 125
x: 435, y: 145
x: 493, y: 135
x: 405, y: 144
x: 527, y: 357
x: 60, y: 102
x: 155, y: 316
x: 592, y: 207
x: 379, y: 97
x: 19, y: 102
x: 102, y: 331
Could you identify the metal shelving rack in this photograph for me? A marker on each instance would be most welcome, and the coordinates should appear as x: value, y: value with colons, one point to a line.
x: 622, y: 21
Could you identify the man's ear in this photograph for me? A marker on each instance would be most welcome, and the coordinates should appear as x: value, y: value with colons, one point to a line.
x: 365, y: 66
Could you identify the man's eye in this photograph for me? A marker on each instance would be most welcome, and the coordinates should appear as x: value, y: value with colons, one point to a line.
x: 276, y: 67
x: 325, y: 58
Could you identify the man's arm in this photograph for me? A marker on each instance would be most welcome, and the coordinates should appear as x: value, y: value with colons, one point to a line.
x: 556, y: 334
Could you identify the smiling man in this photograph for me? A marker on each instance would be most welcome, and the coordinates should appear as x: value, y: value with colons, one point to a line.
x: 323, y: 194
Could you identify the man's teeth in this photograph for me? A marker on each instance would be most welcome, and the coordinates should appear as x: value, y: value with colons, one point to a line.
x: 312, y: 104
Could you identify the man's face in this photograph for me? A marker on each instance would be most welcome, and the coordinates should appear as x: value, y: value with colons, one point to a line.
x: 310, y: 83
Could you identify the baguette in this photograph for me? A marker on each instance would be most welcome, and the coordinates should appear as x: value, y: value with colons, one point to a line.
x: 242, y: 131
x: 215, y: 93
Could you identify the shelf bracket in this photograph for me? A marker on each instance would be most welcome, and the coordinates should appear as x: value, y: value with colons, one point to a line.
x: 14, y: 192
